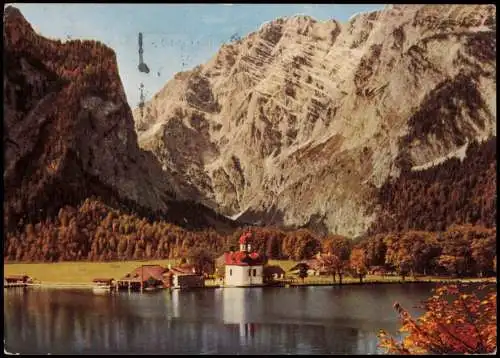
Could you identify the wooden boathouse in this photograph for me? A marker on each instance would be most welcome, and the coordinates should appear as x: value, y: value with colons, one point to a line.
x: 17, y: 281
x: 145, y: 277
x: 185, y: 276
x: 152, y: 277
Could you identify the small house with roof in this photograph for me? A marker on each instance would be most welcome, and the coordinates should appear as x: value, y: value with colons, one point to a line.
x: 315, y: 266
x: 272, y: 273
x: 150, y: 277
x: 144, y: 277
x: 243, y: 268
x: 184, y: 276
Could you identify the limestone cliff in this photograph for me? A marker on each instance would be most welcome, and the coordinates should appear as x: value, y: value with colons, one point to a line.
x: 302, y: 122
x: 68, y: 132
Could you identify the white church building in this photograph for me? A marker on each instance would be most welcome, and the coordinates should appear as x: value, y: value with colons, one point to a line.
x: 243, y: 268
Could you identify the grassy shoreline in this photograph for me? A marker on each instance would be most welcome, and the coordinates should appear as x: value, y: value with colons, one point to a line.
x: 77, y: 272
x: 396, y: 280
x: 81, y: 274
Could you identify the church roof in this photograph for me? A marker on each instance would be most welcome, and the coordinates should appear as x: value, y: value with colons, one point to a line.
x: 242, y: 258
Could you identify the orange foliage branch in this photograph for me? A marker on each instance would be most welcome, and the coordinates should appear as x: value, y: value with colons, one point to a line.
x: 454, y: 323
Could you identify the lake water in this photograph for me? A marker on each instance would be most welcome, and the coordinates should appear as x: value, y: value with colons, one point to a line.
x: 299, y: 320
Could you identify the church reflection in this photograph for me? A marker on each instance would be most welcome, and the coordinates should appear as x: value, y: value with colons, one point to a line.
x: 225, y: 321
x: 240, y: 307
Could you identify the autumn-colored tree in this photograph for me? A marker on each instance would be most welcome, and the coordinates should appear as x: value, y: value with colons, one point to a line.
x: 202, y: 261
x: 452, y: 264
x: 329, y: 264
x: 375, y: 250
x: 423, y: 249
x: 339, y: 247
x: 456, y: 256
x: 483, y: 252
x: 304, y: 244
x: 454, y: 322
x: 358, y: 263
x: 303, y: 271
x: 94, y: 231
x: 398, y: 255
x: 273, y: 245
x: 220, y: 268
x: 336, y: 243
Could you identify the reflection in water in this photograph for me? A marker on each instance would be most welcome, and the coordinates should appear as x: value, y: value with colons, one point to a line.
x: 241, y: 305
x: 303, y: 320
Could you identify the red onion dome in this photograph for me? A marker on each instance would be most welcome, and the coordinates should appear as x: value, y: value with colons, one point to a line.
x: 245, y: 237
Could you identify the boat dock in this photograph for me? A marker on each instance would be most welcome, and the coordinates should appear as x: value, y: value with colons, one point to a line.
x: 14, y: 284
x: 17, y: 281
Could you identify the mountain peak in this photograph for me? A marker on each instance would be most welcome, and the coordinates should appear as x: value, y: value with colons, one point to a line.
x: 302, y: 122
x: 12, y: 12
x: 297, y: 20
x: 69, y: 133
x: 13, y: 17
x: 300, y: 17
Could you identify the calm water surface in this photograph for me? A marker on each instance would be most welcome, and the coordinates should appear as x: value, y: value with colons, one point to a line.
x: 301, y: 320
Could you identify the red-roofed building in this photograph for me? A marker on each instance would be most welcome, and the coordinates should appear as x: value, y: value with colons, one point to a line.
x: 156, y: 276
x: 243, y: 268
x: 145, y: 276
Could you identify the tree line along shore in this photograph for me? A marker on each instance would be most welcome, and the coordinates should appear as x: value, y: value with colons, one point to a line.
x: 80, y: 274
x: 97, y: 233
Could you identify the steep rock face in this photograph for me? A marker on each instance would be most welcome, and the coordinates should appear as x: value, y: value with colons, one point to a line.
x: 302, y: 122
x: 69, y: 132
